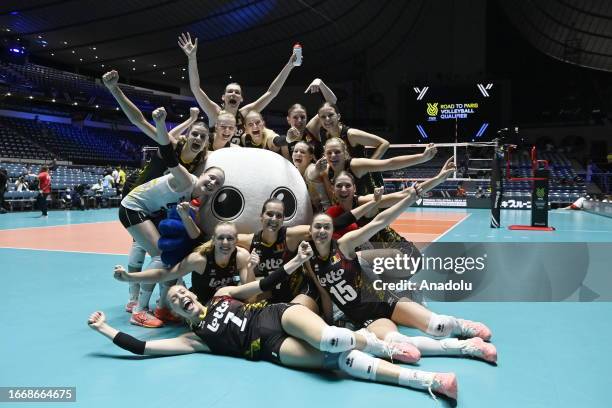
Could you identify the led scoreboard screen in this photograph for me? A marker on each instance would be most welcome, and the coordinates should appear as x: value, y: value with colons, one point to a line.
x: 462, y: 112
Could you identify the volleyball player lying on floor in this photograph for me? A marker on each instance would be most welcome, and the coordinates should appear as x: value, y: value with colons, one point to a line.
x: 289, y: 335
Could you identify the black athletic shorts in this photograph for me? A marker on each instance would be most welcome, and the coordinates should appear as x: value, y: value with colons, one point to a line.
x: 297, y: 284
x: 130, y: 218
x: 366, y: 313
x: 270, y: 331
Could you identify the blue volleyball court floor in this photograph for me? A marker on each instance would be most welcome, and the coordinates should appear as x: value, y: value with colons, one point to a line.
x: 551, y: 354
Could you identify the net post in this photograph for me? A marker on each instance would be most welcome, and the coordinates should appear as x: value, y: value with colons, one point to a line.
x: 497, y: 187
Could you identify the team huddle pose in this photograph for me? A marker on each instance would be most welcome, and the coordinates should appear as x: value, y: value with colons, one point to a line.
x: 270, y: 294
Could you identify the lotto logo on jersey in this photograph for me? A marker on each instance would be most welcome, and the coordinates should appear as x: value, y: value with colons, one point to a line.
x: 216, y: 283
x: 220, y: 310
x: 270, y: 265
x: 331, y: 277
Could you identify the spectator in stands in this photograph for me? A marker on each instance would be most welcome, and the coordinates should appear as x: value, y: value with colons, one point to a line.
x: 460, y: 192
x: 98, y: 186
x: 121, y: 180
x: 21, y: 184
x: 65, y: 199
x: 591, y: 168
x: 115, y: 174
x: 96, y: 189
x: 108, y: 181
x: 44, y: 189
x: 3, y: 184
x: 232, y: 97
x: 77, y: 197
x: 29, y: 176
x: 53, y: 165
x: 26, y: 170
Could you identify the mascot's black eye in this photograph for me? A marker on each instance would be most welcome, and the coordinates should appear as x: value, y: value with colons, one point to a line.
x: 227, y: 204
x: 288, y: 198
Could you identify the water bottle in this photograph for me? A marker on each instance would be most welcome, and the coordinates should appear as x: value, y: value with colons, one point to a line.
x: 297, y: 51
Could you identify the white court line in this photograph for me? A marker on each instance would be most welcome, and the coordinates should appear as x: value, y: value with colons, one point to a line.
x: 579, y: 230
x: 453, y: 227
x: 63, y: 250
x: 60, y: 225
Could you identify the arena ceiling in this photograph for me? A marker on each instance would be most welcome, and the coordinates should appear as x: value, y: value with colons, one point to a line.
x: 247, y: 39
x: 574, y: 31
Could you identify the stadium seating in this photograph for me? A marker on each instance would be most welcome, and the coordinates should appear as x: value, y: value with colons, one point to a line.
x: 79, y: 145
x: 32, y: 79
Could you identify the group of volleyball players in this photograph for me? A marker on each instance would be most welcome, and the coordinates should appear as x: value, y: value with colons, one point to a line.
x: 271, y: 294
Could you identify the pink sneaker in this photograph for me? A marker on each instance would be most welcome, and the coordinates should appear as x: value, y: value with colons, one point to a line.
x: 476, y: 347
x: 145, y: 319
x: 404, y: 352
x: 130, y: 306
x: 444, y: 384
x: 474, y: 329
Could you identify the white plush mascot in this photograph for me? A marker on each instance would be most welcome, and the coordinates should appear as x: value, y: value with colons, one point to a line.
x: 251, y: 177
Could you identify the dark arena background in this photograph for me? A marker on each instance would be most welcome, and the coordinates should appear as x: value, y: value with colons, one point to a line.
x: 516, y: 96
